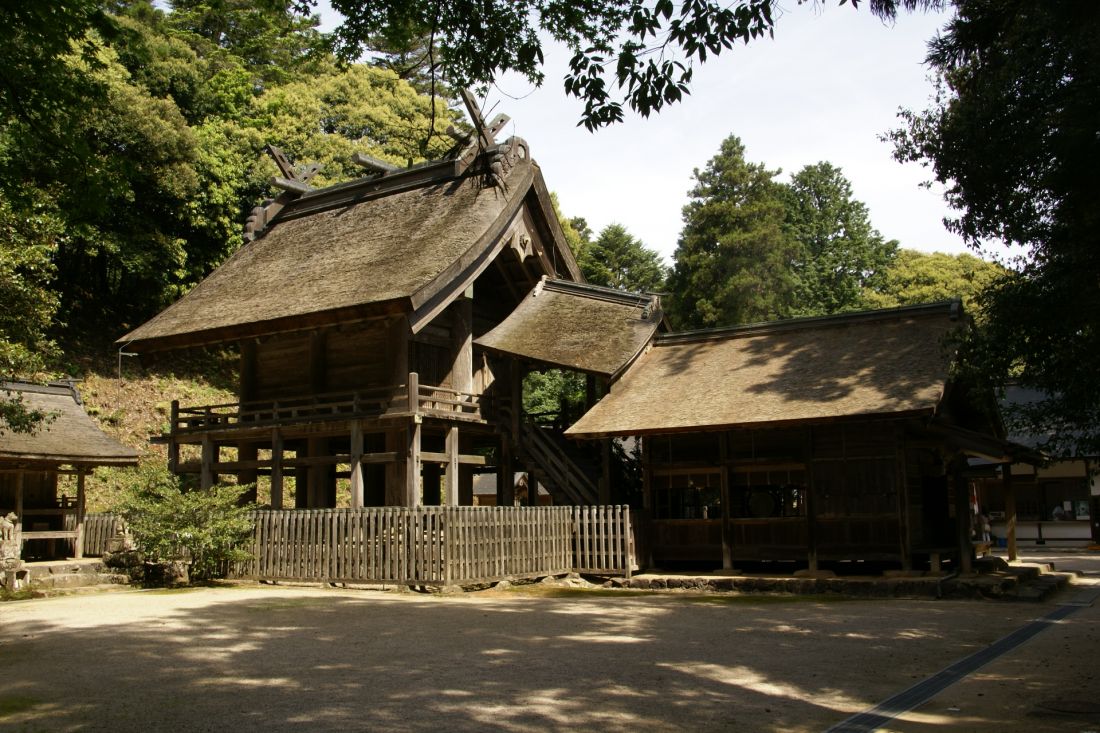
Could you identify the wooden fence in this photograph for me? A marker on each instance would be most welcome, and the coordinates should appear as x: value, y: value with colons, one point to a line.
x: 99, y: 529
x: 438, y: 545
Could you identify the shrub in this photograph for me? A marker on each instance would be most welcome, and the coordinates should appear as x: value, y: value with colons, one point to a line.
x: 168, y: 523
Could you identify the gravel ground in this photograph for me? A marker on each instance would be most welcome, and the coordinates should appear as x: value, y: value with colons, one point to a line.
x: 251, y: 658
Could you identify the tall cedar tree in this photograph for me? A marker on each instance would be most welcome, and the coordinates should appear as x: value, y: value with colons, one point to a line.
x: 841, y: 254
x: 733, y: 263
x: 1013, y: 136
x: 617, y: 259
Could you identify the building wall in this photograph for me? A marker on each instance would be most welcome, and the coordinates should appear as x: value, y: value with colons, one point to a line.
x: 870, y: 491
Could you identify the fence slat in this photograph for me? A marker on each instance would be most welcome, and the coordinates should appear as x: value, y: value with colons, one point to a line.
x: 444, y: 545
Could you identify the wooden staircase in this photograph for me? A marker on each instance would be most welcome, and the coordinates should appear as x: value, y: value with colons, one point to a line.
x: 556, y: 463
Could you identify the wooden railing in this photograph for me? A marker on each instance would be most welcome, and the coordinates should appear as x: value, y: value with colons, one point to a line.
x: 558, y: 466
x: 438, y: 545
x: 99, y: 530
x: 388, y: 400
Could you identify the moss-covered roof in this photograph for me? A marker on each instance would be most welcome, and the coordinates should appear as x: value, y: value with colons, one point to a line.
x: 876, y: 363
x: 67, y: 436
x: 582, y: 327
x: 352, y: 250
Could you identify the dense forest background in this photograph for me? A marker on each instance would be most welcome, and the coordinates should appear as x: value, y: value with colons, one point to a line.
x: 131, y: 151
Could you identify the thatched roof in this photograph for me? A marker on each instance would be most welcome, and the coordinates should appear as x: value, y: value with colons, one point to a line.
x: 878, y: 363
x: 352, y: 251
x: 68, y: 436
x: 582, y: 327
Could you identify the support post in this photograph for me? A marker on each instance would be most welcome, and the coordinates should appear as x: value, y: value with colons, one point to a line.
x: 207, y: 477
x: 412, y: 463
x: 78, y: 543
x: 355, y: 458
x: 724, y: 489
x: 962, y: 518
x: 247, y: 452
x: 506, y: 481
x: 905, y: 532
x: 605, y: 472
x: 173, y: 444
x: 452, y: 471
x: 19, y: 509
x: 1010, y: 510
x: 276, y: 469
x: 811, y: 505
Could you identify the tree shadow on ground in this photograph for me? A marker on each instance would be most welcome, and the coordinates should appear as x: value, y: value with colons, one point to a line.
x: 246, y: 659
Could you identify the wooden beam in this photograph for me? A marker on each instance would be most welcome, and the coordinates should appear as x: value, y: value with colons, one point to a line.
x: 276, y: 469
x: 78, y: 544
x: 356, y: 460
x: 290, y: 185
x: 474, y: 110
x: 281, y: 161
x: 1010, y: 511
x: 209, y: 459
x: 373, y: 164
x: 451, y: 441
x: 412, y: 463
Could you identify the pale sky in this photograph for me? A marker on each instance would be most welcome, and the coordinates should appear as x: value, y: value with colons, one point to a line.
x: 825, y: 88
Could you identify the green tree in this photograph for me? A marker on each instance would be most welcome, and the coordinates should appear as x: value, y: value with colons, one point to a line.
x: 28, y: 232
x: 841, y: 253
x: 1012, y: 136
x: 643, y: 50
x: 208, y: 526
x: 733, y: 262
x: 271, y: 39
x: 617, y: 259
x: 925, y: 277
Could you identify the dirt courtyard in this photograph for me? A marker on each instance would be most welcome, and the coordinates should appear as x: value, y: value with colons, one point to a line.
x: 256, y: 658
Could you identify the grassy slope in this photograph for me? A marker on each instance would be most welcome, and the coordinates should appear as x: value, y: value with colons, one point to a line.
x: 137, y: 407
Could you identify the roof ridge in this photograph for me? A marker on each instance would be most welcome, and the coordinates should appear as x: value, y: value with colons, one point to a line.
x: 601, y: 291
x: 16, y: 385
x: 952, y: 307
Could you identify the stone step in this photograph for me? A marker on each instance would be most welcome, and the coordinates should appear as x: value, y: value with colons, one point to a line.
x: 58, y: 581
x: 39, y: 570
x: 1042, y: 587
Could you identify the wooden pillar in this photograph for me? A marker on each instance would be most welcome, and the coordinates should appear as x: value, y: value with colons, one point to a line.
x: 1010, y: 510
x: 173, y: 444
x: 276, y: 469
x: 811, y: 504
x: 646, y: 532
x: 321, y: 477
x: 19, y: 509
x: 207, y: 476
x: 301, y: 480
x: 247, y: 370
x: 962, y: 516
x: 724, y: 488
x: 462, y: 342
x: 905, y: 533
x: 78, y: 543
x: 412, y: 463
x: 453, y: 471
x: 356, y: 465
x: 374, y: 474
x: 245, y: 476
x: 506, y: 472
x: 605, y: 471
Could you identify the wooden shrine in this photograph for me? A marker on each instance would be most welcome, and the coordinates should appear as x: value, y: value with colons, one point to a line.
x: 49, y: 524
